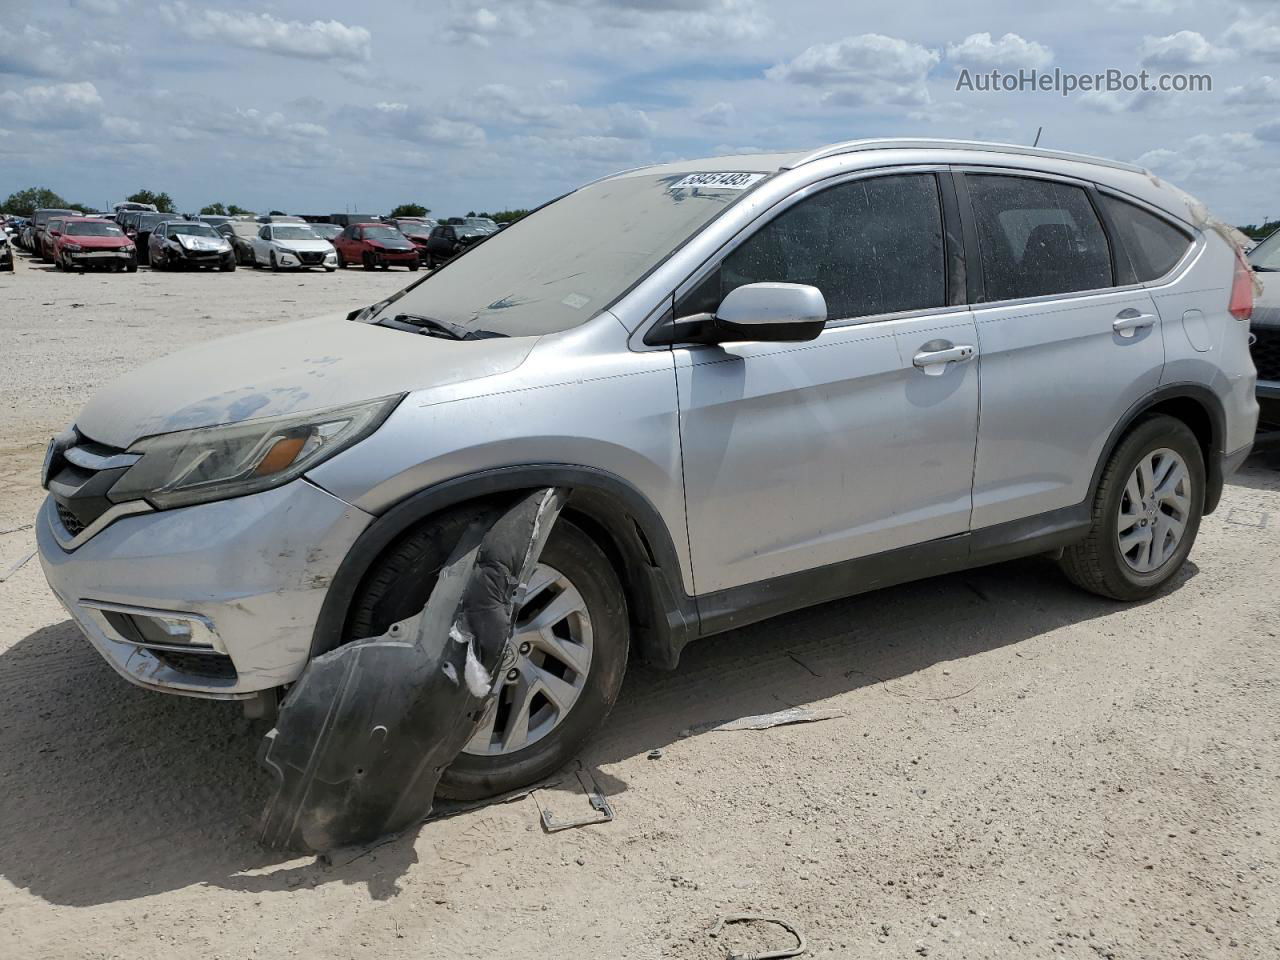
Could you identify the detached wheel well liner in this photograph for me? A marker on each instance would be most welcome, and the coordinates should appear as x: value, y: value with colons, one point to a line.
x: 622, y: 522
x: 1200, y: 409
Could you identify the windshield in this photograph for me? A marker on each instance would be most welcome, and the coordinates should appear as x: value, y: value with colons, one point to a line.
x: 326, y: 230
x: 607, y: 236
x: 382, y: 233
x: 293, y: 233
x: 415, y: 230
x: 148, y: 220
x: 1266, y: 255
x: 242, y: 229
x: 192, y: 230
x: 93, y: 229
x: 470, y: 231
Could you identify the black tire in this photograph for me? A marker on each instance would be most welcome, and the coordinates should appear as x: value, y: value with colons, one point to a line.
x: 131, y: 268
x: 413, y: 268
x: 275, y: 267
x: 1095, y: 563
x: 228, y: 267
x: 342, y: 263
x: 397, y: 586
x: 366, y: 261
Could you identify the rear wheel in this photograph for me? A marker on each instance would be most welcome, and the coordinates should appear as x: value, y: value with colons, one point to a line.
x: 571, y: 640
x: 1146, y: 513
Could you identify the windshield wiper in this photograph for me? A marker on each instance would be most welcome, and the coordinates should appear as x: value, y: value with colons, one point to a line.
x: 431, y: 327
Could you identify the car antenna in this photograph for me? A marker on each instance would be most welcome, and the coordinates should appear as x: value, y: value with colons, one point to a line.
x: 1039, y: 130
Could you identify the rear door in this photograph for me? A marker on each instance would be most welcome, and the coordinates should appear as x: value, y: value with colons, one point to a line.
x: 802, y: 455
x: 1066, y: 351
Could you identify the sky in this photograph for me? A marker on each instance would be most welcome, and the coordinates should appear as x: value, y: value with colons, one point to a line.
x: 323, y: 107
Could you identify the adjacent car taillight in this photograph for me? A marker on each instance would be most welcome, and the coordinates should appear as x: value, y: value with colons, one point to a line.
x: 1241, y: 306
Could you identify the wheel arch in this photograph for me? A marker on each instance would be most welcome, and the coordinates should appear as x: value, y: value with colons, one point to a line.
x: 621, y: 520
x: 1200, y: 409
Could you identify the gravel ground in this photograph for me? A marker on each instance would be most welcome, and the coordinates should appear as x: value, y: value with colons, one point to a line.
x: 1020, y: 770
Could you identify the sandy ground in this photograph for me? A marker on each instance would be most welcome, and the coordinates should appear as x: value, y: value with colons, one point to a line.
x: 1021, y: 770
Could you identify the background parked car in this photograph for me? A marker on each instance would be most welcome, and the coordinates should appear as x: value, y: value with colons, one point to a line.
x: 448, y: 240
x: 484, y: 223
x: 292, y: 246
x: 6, y: 254
x: 139, y: 227
x: 84, y: 242
x: 375, y: 245
x: 49, y: 238
x: 327, y: 231
x: 182, y: 244
x: 40, y: 221
x: 212, y: 219
x: 240, y: 234
x: 417, y: 233
x: 1265, y: 326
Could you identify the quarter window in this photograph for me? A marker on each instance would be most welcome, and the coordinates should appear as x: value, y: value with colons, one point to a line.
x: 1037, y: 237
x: 1154, y: 245
x: 872, y: 246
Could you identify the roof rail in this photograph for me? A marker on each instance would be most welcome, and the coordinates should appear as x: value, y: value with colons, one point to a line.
x: 856, y: 146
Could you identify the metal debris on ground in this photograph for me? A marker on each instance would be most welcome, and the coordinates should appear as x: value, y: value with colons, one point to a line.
x: 367, y: 730
x: 599, y: 803
x: 781, y: 954
x: 765, y: 721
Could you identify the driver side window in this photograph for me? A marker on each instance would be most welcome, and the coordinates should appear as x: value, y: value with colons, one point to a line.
x: 872, y: 246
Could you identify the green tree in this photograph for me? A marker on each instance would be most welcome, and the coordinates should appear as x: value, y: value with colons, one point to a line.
x: 213, y: 209
x: 503, y: 216
x: 25, y: 202
x: 162, y: 201
x: 235, y: 210
x: 410, y: 210
x: 1261, y: 231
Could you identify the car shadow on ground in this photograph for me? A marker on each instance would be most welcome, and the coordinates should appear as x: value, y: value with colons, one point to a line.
x: 110, y: 793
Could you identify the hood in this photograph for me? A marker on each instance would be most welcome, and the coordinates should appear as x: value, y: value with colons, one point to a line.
x: 97, y: 243
x: 203, y: 244
x: 307, y: 365
x: 391, y: 244
x: 319, y: 245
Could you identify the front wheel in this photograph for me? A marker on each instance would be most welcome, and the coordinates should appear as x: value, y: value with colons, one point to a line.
x: 1146, y: 513
x: 366, y: 261
x: 413, y: 268
x: 275, y: 267
x: 571, y: 642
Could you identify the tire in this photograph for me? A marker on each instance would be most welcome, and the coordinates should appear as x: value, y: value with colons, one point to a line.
x: 330, y: 269
x: 275, y: 267
x: 131, y: 268
x: 366, y: 260
x: 227, y: 267
x: 1098, y: 563
x: 413, y: 268
x: 342, y: 263
x: 397, y: 586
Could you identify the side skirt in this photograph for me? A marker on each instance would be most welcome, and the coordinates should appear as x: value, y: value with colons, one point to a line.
x: 753, y: 602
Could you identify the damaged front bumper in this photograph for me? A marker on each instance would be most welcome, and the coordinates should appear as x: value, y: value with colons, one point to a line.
x: 369, y: 727
x: 217, y: 600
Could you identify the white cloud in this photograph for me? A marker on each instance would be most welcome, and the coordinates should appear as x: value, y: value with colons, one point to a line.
x: 317, y: 40
x: 412, y: 124
x: 29, y: 53
x: 1011, y: 52
x: 103, y: 8
x: 1260, y: 91
x: 719, y: 114
x: 1146, y: 6
x: 1186, y: 48
x: 673, y: 24
x: 57, y: 106
x: 481, y: 25
x: 1259, y: 36
x: 627, y: 123
x: 869, y: 69
x: 1269, y: 132
x: 1204, y: 157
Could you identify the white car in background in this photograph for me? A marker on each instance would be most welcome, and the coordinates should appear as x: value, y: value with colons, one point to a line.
x: 292, y: 246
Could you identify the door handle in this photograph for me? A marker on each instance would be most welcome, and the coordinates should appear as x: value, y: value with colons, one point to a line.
x: 934, y: 357
x: 1128, y: 322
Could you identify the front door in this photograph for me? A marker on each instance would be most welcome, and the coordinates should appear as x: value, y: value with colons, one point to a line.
x: 801, y: 455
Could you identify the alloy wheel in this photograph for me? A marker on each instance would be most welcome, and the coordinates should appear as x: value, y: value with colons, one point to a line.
x: 553, y: 643
x: 1154, y: 510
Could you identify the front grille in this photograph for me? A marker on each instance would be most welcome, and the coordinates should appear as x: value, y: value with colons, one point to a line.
x: 308, y: 257
x: 1266, y: 353
x: 69, y: 520
x: 216, y: 666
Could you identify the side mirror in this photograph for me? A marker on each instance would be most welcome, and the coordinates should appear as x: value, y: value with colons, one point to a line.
x: 752, y: 313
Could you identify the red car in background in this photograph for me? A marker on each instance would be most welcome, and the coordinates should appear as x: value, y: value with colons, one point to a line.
x: 83, y: 242
x: 375, y: 245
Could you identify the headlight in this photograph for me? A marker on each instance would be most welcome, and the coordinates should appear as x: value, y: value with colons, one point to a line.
x: 72, y: 247
x: 214, y: 463
x: 127, y: 248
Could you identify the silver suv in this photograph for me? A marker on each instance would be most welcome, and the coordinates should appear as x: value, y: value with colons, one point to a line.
x: 769, y: 381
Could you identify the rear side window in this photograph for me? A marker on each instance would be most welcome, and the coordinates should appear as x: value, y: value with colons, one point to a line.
x: 872, y: 246
x: 1154, y: 244
x: 1037, y: 237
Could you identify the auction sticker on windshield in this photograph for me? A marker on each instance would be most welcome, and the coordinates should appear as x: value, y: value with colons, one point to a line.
x: 719, y: 181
